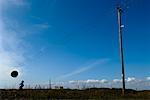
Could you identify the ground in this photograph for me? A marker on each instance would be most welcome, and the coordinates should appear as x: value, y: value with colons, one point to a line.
x: 86, y: 94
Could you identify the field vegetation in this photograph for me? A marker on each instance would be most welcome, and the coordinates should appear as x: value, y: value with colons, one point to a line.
x: 75, y: 94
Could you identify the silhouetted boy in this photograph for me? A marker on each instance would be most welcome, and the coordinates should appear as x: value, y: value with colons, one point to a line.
x: 21, y: 85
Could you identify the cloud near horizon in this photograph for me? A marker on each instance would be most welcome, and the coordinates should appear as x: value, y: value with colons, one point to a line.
x: 148, y: 78
x: 127, y: 80
x: 131, y: 82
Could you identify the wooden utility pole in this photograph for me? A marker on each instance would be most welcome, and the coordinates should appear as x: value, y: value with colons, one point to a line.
x: 50, y: 84
x: 119, y: 10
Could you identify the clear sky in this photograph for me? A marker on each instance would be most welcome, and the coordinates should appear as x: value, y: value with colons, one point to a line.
x: 72, y: 40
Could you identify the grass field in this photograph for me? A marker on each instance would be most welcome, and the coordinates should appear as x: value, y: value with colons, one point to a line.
x: 86, y: 94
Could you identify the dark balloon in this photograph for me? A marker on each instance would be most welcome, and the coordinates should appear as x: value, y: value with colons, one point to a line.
x: 14, y: 74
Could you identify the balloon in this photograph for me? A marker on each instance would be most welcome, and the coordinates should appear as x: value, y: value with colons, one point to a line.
x: 14, y: 74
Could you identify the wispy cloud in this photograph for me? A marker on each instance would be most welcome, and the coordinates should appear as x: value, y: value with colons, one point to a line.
x: 85, y: 68
x: 14, y: 3
x: 17, y: 2
x: 148, y: 78
x: 36, y: 18
x: 42, y: 26
x: 11, y: 46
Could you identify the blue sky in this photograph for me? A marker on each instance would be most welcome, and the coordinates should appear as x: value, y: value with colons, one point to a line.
x: 72, y: 40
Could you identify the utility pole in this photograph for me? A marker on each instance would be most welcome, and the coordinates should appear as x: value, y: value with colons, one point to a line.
x: 50, y: 85
x: 119, y: 10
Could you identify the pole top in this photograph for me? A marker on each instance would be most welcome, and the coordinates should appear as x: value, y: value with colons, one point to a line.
x: 119, y: 9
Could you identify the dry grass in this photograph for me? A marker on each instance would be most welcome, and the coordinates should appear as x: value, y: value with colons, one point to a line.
x: 88, y: 94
